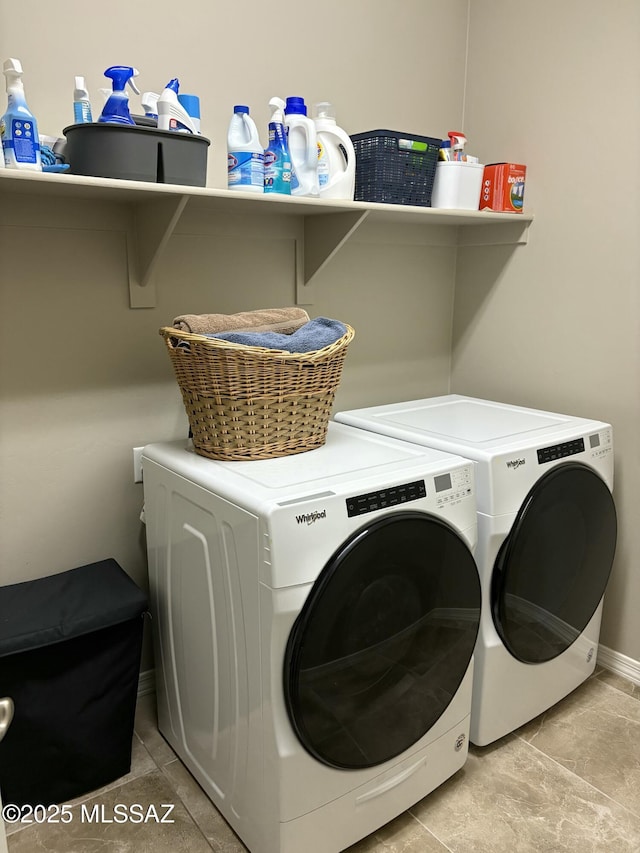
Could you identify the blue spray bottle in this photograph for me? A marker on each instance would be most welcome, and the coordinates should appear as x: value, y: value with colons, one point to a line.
x: 18, y: 129
x: 116, y: 109
x: 277, y: 159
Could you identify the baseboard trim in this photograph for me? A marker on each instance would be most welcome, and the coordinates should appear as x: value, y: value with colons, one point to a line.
x: 147, y: 682
x: 619, y: 664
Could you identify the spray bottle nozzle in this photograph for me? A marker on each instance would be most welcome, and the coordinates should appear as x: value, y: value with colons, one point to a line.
x: 458, y: 141
x: 121, y: 76
x: 12, y: 65
x: 278, y: 106
x: 12, y: 70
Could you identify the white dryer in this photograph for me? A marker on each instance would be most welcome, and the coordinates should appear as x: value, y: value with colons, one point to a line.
x: 546, y: 542
x: 314, y: 623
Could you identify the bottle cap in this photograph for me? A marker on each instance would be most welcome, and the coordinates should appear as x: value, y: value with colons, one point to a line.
x: 324, y: 110
x: 241, y: 108
x: 295, y: 106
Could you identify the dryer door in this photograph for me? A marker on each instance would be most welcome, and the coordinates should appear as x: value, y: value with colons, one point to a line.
x: 383, y: 641
x: 552, y: 569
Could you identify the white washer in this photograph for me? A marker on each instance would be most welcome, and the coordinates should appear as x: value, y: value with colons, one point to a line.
x: 314, y: 623
x: 546, y: 541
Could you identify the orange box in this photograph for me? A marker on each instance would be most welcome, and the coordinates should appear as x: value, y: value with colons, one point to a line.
x: 503, y: 187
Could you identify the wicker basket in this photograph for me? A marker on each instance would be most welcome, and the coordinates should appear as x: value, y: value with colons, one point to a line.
x: 255, y: 403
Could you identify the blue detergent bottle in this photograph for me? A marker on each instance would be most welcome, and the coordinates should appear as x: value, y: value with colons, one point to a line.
x: 18, y: 128
x: 277, y: 158
x: 116, y: 109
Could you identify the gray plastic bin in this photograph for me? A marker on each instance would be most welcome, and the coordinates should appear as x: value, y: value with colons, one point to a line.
x: 136, y: 153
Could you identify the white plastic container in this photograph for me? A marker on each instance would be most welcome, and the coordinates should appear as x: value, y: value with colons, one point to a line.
x: 303, y: 147
x: 81, y: 102
x: 336, y: 155
x: 18, y: 128
x: 457, y: 185
x: 171, y: 114
x: 245, y: 154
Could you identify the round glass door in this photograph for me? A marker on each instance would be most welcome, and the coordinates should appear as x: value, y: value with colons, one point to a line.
x: 552, y: 569
x: 383, y: 641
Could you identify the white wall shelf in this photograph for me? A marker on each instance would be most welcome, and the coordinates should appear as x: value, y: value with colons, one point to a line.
x: 155, y: 210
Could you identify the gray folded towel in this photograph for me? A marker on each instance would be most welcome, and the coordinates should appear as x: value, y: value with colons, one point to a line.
x: 283, y: 320
x: 314, y: 335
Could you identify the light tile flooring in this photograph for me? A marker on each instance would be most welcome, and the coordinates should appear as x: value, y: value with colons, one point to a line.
x: 567, y: 781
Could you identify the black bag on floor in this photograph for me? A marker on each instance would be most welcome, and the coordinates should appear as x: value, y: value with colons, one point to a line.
x: 70, y: 648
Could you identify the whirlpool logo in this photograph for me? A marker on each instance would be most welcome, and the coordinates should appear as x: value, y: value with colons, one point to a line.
x: 515, y: 463
x: 311, y: 517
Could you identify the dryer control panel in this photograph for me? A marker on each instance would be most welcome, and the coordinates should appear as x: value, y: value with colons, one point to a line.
x: 559, y: 451
x: 599, y: 443
x: 448, y: 488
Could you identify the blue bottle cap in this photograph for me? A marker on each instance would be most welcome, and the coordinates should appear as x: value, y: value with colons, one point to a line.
x: 240, y: 108
x: 191, y: 104
x: 295, y: 106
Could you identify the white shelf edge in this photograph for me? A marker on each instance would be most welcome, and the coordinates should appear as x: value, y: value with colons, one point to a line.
x: 89, y: 187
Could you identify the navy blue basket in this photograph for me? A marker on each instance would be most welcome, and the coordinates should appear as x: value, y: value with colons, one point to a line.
x: 395, y: 168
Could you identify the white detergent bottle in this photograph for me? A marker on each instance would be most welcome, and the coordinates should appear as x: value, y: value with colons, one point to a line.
x: 245, y: 154
x: 18, y: 129
x: 303, y: 147
x: 336, y: 155
x: 171, y: 114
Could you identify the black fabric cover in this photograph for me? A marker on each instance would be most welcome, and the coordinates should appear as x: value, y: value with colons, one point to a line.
x: 70, y: 649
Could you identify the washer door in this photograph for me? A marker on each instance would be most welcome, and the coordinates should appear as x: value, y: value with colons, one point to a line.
x: 383, y: 641
x: 552, y: 569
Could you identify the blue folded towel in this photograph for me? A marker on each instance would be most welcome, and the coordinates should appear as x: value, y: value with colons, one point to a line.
x: 316, y: 334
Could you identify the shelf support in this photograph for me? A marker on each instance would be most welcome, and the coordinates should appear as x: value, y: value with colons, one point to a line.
x: 506, y: 234
x: 323, y: 236
x: 152, y: 224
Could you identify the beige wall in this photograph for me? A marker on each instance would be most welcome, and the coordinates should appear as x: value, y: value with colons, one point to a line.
x: 555, y: 324
x: 84, y: 378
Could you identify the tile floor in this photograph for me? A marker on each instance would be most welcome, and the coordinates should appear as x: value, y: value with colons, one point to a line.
x: 567, y: 781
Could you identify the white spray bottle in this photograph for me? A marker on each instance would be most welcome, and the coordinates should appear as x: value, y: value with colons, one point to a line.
x: 277, y: 159
x: 336, y: 155
x: 18, y: 128
x: 81, y: 102
x: 149, y: 103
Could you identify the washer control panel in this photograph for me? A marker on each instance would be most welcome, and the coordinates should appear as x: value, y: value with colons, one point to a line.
x: 600, y: 443
x: 454, y: 486
x: 393, y: 496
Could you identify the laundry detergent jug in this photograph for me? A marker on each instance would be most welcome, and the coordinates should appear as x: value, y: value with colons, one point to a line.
x: 336, y: 155
x: 303, y: 147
